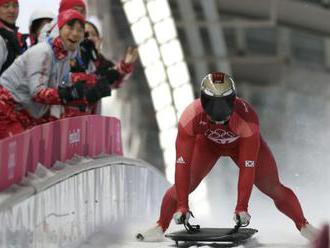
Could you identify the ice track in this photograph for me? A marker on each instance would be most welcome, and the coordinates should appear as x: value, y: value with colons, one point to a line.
x: 215, y: 210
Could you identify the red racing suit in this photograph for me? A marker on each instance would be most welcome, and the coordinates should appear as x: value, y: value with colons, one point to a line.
x: 201, y: 142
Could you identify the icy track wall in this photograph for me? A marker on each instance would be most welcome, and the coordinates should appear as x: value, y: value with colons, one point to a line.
x: 76, y: 200
x: 59, y: 204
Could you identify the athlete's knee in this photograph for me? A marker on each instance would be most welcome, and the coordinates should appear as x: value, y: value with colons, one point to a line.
x: 272, y: 190
x: 282, y: 193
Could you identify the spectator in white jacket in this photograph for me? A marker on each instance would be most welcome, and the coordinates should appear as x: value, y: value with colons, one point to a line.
x: 35, y: 81
x: 51, y: 29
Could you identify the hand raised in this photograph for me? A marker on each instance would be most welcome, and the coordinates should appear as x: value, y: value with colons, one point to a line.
x: 131, y: 55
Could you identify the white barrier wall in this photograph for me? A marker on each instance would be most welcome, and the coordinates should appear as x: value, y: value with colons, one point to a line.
x: 65, y: 207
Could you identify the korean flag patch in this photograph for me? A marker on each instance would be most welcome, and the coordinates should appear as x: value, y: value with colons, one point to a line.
x: 249, y: 163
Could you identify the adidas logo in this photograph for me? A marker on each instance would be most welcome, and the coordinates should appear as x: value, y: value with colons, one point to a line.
x: 180, y: 160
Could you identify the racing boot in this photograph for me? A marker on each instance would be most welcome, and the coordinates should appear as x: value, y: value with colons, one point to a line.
x: 154, y: 234
x: 309, y: 232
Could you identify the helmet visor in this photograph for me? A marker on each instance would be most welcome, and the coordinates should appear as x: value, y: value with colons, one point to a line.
x: 218, y: 108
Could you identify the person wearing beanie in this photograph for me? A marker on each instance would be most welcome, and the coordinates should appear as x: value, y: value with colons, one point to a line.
x: 94, y: 61
x: 10, y: 46
x: 78, y: 5
x: 90, y: 61
x: 51, y: 29
x: 36, y: 81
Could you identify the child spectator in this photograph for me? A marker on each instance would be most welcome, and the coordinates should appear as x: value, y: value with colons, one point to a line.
x: 51, y: 29
x: 35, y: 81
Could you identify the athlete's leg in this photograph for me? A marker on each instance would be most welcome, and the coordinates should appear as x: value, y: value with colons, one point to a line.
x: 268, y: 182
x: 203, y: 160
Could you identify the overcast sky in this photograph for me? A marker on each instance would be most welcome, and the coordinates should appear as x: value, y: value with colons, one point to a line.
x: 28, y: 6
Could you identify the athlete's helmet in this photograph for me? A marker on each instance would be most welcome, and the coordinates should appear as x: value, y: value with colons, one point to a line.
x: 218, y: 95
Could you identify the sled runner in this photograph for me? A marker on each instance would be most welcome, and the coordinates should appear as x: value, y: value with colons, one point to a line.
x: 195, y: 234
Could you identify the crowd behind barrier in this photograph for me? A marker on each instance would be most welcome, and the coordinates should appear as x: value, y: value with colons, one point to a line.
x: 57, y: 141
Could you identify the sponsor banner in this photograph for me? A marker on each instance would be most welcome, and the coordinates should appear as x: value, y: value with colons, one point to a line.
x: 13, y: 159
x: 73, y: 133
x: 96, y: 135
x: 114, y: 142
x: 34, y: 149
x: 50, y: 143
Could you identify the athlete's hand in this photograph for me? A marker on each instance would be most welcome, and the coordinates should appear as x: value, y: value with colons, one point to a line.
x: 181, y: 216
x: 242, y: 218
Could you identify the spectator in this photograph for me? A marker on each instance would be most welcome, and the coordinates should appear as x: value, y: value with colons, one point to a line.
x: 51, y: 29
x: 10, y: 46
x: 34, y: 82
x: 80, y: 69
x: 38, y: 19
x: 90, y: 60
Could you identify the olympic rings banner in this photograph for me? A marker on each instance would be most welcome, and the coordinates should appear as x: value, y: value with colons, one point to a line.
x: 60, y: 140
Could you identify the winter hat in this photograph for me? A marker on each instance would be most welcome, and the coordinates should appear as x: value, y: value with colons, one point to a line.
x: 7, y: 1
x: 69, y: 4
x: 40, y: 14
x: 67, y: 16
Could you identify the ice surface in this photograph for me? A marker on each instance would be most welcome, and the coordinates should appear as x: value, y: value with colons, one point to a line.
x: 275, y: 229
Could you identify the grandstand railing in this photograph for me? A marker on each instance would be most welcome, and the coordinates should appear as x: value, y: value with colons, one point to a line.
x: 57, y: 141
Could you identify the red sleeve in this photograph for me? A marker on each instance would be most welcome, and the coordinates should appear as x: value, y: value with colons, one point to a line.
x: 248, y: 152
x: 125, y: 71
x: 50, y: 96
x: 88, y: 78
x: 47, y: 96
x: 184, y: 149
x: 185, y: 143
x: 247, y: 125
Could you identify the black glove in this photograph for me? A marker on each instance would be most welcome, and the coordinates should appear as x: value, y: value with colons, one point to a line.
x: 71, y: 93
x: 88, y: 51
x: 107, y: 75
x: 104, y: 62
x: 101, y: 89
